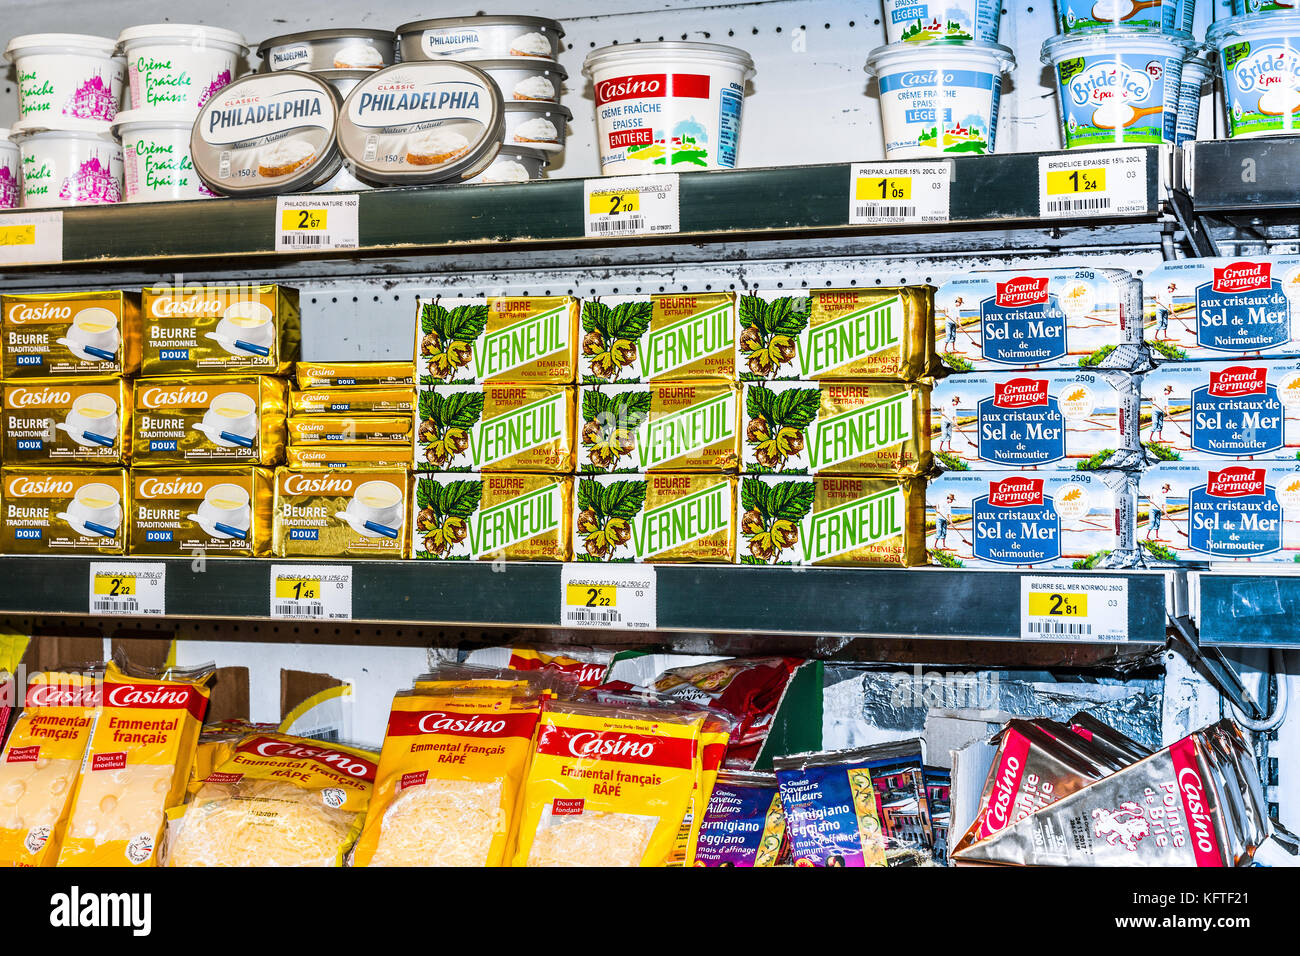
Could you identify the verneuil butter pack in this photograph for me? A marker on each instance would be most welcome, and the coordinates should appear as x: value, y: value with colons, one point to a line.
x: 333, y: 374
x: 853, y: 521
x: 529, y: 339
x: 353, y: 399
x: 58, y: 510
x: 515, y: 517
x: 181, y: 511
x: 214, y: 329
x: 665, y: 337
x: 67, y: 421
x: 350, y: 429
x: 347, y: 457
x: 681, y: 426
x: 71, y: 333
x: 237, y: 419
x: 836, y: 334
x: 658, y: 517
x: 836, y: 428
x: 342, y: 514
x: 495, y: 428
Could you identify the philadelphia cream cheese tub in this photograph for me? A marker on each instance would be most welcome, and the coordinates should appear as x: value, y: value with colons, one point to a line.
x: 939, y: 99
x: 926, y: 21
x: 526, y: 80
x: 667, y: 105
x: 479, y: 38
x: 541, y: 126
x: 178, y: 66
x: 10, y: 172
x: 66, y: 76
x: 1117, y: 87
x: 337, y: 49
x: 514, y: 164
x: 1258, y: 59
x: 156, y: 155
x: 72, y: 163
x: 1163, y: 15
x: 1198, y: 76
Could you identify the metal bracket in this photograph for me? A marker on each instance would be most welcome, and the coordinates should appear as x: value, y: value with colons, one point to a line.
x: 1212, y: 665
x: 1201, y: 240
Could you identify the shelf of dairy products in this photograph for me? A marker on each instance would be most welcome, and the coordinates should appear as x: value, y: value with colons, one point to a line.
x: 724, y: 204
x: 1246, y: 607
x: 932, y: 603
x: 1241, y: 175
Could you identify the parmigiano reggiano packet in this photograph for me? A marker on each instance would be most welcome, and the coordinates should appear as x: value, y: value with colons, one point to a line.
x: 136, y: 765
x: 608, y: 786
x: 39, y: 764
x: 449, y: 776
x: 276, y: 800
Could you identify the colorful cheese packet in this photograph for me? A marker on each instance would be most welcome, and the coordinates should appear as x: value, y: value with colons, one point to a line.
x: 744, y: 824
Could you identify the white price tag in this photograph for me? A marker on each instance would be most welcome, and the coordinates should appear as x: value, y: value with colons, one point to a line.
x: 1090, y: 608
x: 27, y: 238
x: 136, y: 590
x: 311, y: 592
x: 632, y: 206
x: 1113, y: 183
x: 896, y: 193
x: 314, y: 223
x: 613, y: 596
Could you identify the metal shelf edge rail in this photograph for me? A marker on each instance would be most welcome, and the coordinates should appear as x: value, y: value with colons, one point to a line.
x: 721, y: 204
x: 934, y: 602
x: 1247, y: 607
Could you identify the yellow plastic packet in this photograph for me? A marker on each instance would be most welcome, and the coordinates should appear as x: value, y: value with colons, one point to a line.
x: 216, y: 743
x: 608, y: 786
x: 39, y: 764
x: 453, y: 761
x: 713, y: 749
x: 276, y: 800
x: 137, y: 764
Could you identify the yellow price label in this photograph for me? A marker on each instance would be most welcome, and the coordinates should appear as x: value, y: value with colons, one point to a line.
x: 612, y: 203
x: 297, y: 588
x: 115, y: 585
x: 1056, y: 604
x: 591, y: 595
x: 300, y: 220
x: 885, y: 188
x: 18, y: 235
x: 1065, y: 182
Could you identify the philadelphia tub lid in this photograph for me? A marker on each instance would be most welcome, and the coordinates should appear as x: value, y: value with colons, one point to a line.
x: 920, y: 56
x: 1253, y: 26
x: 419, y: 26
x: 1139, y: 41
x: 664, y: 50
x: 442, y: 120
x: 284, y: 121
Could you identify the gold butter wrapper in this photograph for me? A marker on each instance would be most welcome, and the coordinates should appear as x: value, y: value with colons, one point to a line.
x: 491, y: 517
x: 220, y: 329
x: 836, y: 428
x: 831, y: 521
x: 213, y: 511
x: 836, y: 334
x: 218, y: 420
x: 660, y: 518
x: 351, y: 429
x: 682, y: 426
x: 67, y: 421
x: 528, y: 339
x: 62, y: 510
x: 340, y: 514
x: 667, y: 337
x: 495, y: 428
x: 95, y: 334
x: 333, y: 374
x: 342, y: 457
x: 353, y: 399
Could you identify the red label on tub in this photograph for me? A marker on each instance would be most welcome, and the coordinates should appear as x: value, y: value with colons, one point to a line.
x: 651, y: 85
x: 631, y: 137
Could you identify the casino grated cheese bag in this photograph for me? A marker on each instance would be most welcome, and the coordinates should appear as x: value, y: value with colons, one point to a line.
x: 276, y: 800
x: 39, y: 765
x: 713, y: 749
x: 449, y: 776
x: 608, y: 786
x: 137, y: 764
x: 216, y: 742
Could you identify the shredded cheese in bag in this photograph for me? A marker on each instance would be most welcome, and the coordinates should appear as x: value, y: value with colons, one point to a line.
x: 216, y: 743
x: 276, y: 800
x: 449, y: 776
x: 608, y: 786
x: 39, y: 765
x: 713, y: 749
x: 136, y: 766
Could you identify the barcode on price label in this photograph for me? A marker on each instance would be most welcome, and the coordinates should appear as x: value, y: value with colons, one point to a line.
x: 900, y: 193
x: 632, y: 205
x: 1093, y: 184
x: 311, y: 592
x: 317, y: 222
x: 631, y: 225
x: 1061, y: 608
x: 137, y: 590
x: 613, y: 596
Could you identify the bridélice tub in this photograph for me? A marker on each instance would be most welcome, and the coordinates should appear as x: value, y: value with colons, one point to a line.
x: 939, y: 98
x: 952, y: 21
x: 667, y: 105
x: 66, y: 76
x: 10, y: 172
x: 178, y: 66
x: 156, y: 155
x: 1118, y: 87
x: 1166, y: 15
x: 71, y: 163
x: 1259, y: 58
